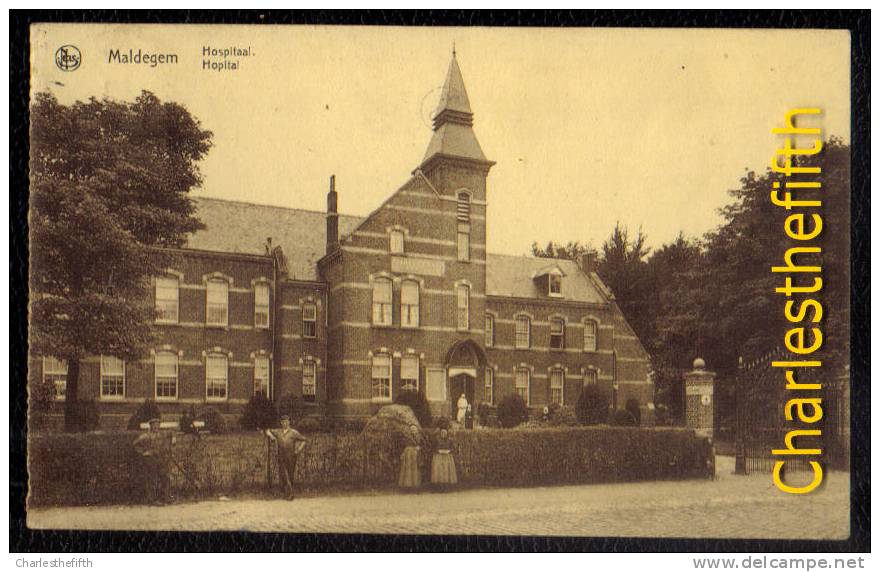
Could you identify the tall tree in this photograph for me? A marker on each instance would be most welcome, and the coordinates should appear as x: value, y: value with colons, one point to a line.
x: 623, y: 268
x: 110, y: 181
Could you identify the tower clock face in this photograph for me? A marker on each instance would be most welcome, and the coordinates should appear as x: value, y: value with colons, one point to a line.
x: 706, y: 399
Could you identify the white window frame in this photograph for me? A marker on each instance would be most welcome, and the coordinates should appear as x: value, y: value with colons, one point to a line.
x: 489, y: 340
x: 591, y: 342
x: 382, y: 308
x: 591, y: 377
x: 385, y: 393
x: 559, y: 334
x: 259, y: 380
x: 211, y: 382
x: 489, y: 386
x: 409, y: 377
x: 53, y: 371
x: 310, y: 388
x: 463, y: 242
x: 160, y: 301
x: 557, y: 374
x: 517, y: 388
x: 156, y: 376
x: 409, y: 311
x: 216, y: 283
x: 261, y: 305
x: 528, y: 332
x: 105, y: 361
x: 310, y: 331
x: 396, y: 242
x: 463, y: 314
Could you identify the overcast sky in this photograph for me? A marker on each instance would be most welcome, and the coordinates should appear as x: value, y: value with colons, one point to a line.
x: 587, y: 126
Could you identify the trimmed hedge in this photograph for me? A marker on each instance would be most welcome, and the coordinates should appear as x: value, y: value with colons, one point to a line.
x: 95, y: 468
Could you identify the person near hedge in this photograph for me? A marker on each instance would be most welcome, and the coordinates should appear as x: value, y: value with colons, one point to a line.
x: 410, y: 477
x: 443, y: 474
x: 290, y: 443
x: 154, y: 449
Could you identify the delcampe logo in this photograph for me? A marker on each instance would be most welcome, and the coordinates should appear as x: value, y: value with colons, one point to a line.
x: 68, y: 58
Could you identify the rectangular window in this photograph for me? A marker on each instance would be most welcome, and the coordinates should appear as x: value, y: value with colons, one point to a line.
x: 463, y: 208
x: 261, y: 305
x: 261, y: 376
x: 382, y: 302
x: 490, y: 331
x: 218, y: 303
x: 310, y: 381
x: 557, y: 333
x: 381, y: 378
x: 555, y: 284
x: 557, y: 386
x: 590, y: 336
x: 523, y: 331
x: 166, y: 375
x: 310, y: 320
x: 522, y: 383
x: 409, y: 304
x: 409, y: 373
x: 167, y: 299
x: 589, y: 377
x: 112, y: 378
x: 55, y: 376
x: 463, y: 293
x: 216, y: 377
x: 464, y: 242
x: 489, y: 386
x: 396, y: 242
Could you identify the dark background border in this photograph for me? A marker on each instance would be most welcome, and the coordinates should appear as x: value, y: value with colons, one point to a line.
x: 24, y: 540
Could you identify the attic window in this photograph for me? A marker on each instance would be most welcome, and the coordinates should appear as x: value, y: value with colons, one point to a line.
x: 396, y: 242
x: 555, y: 285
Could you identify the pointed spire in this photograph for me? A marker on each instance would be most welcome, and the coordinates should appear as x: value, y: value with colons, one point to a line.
x: 454, y: 106
x: 453, y: 121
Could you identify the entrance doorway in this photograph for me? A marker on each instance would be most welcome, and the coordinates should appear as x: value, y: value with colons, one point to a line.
x: 462, y: 383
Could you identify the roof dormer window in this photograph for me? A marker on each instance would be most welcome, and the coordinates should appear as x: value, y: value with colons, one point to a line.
x: 549, y: 280
x: 554, y: 285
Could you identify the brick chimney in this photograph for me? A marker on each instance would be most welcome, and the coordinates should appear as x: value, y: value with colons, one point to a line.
x: 587, y: 262
x: 332, y: 217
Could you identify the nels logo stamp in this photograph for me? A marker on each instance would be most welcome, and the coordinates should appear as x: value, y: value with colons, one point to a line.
x: 68, y: 58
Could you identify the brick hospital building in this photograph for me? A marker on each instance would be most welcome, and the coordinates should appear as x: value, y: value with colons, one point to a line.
x: 346, y: 312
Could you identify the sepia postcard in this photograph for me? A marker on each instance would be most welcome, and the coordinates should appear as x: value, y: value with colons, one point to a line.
x: 565, y: 282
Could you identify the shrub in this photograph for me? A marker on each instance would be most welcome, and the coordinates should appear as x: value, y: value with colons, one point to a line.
x: 512, y: 411
x: 81, y: 415
x: 632, y: 405
x: 292, y: 406
x: 418, y: 403
x: 623, y: 418
x: 443, y: 423
x: 592, y: 406
x: 146, y: 411
x: 562, y: 416
x: 260, y: 413
x: 187, y: 420
x: 310, y: 425
x: 214, y: 421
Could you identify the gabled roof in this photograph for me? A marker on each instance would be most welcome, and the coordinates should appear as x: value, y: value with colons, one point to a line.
x: 241, y: 227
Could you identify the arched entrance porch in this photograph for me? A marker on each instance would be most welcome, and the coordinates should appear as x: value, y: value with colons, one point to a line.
x: 465, y: 363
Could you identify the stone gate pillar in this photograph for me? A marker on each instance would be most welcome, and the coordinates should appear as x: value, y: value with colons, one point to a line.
x: 699, y: 386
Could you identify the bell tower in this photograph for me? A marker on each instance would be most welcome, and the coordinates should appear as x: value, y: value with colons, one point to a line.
x: 454, y: 158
